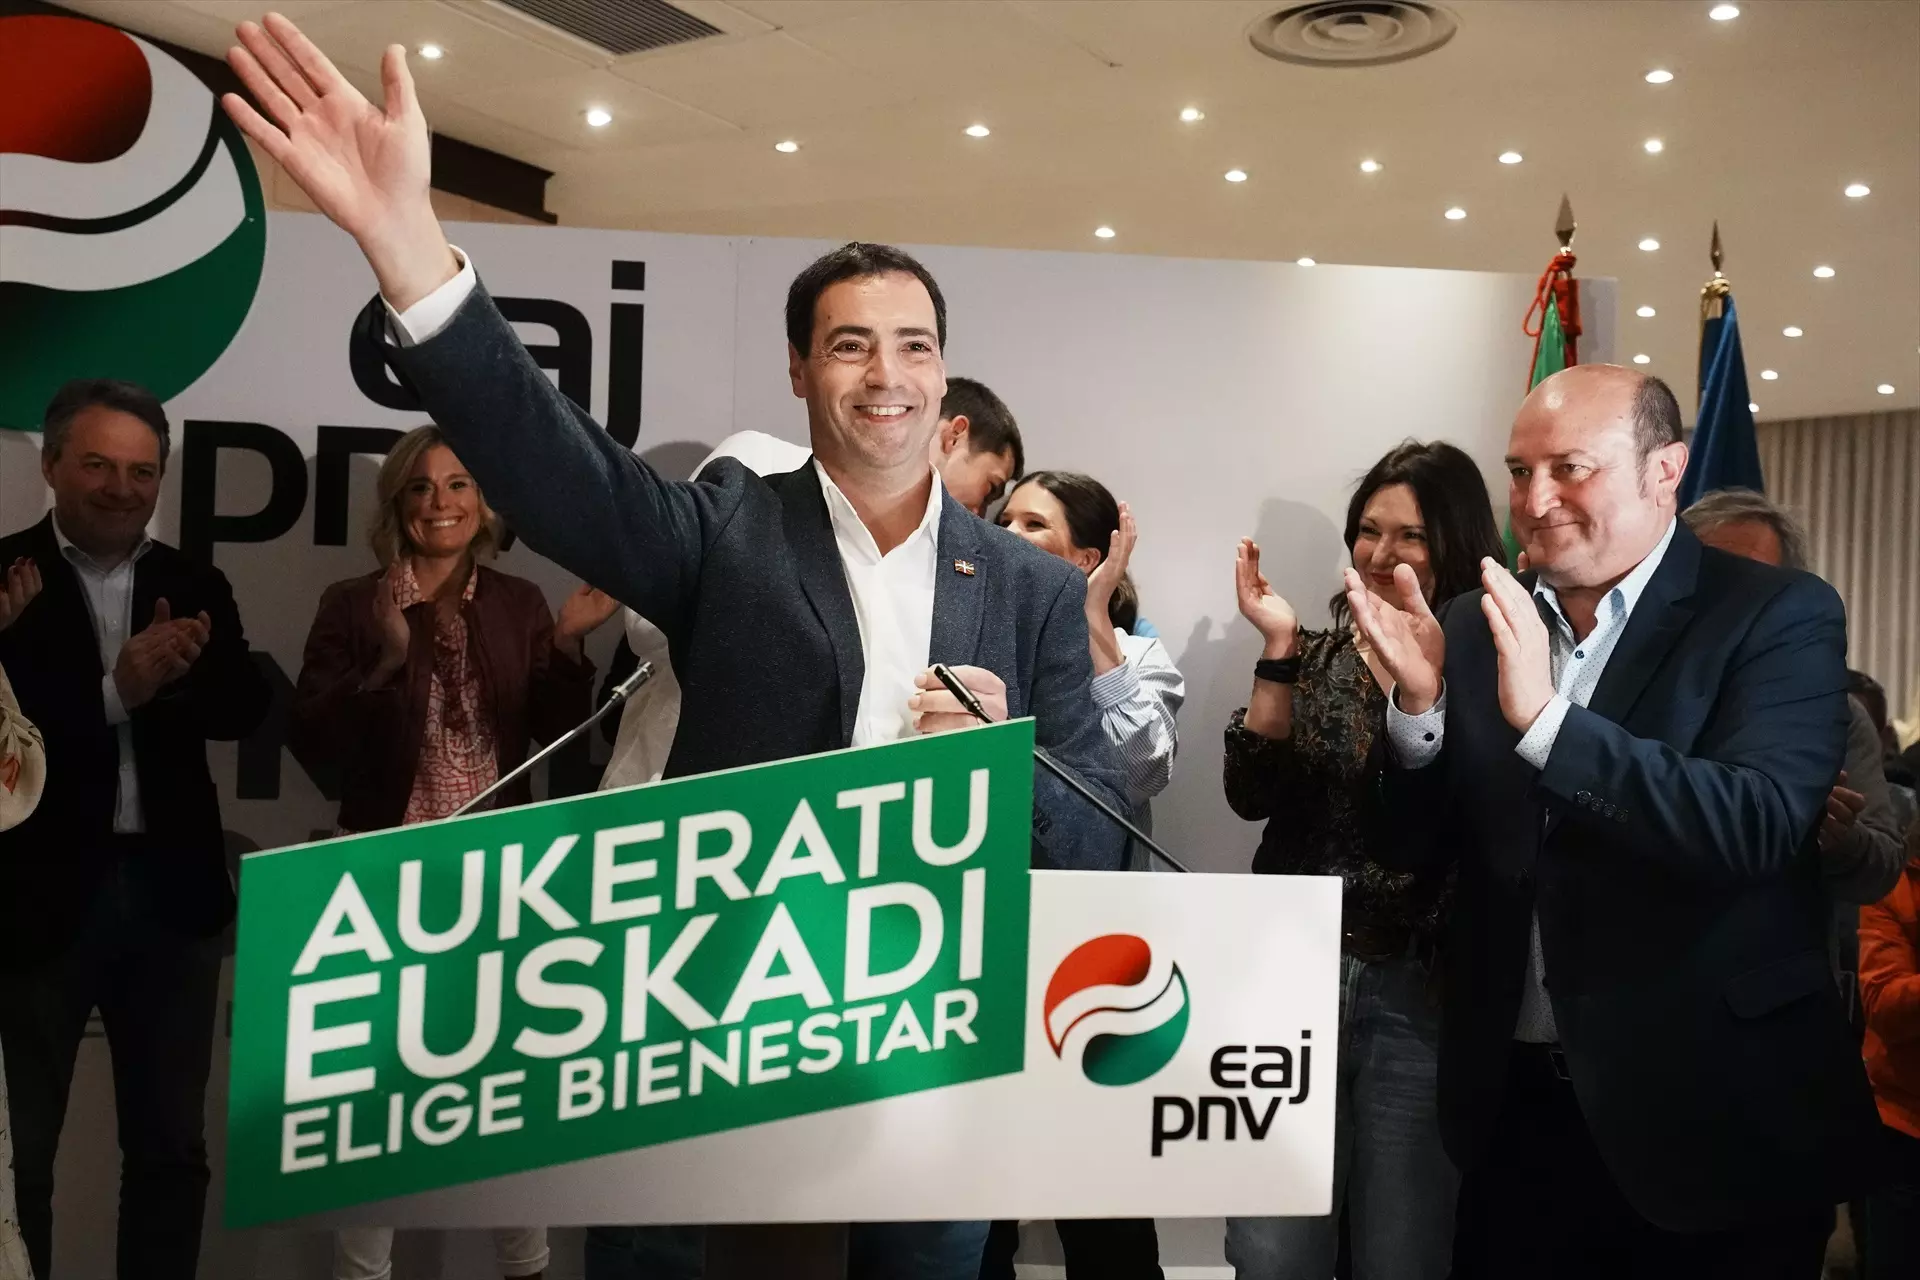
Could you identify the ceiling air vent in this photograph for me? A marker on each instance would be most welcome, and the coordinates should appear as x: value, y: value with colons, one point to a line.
x: 1353, y: 33
x: 618, y: 26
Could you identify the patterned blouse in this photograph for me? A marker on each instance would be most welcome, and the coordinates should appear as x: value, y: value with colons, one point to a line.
x: 1308, y: 788
x: 458, y: 757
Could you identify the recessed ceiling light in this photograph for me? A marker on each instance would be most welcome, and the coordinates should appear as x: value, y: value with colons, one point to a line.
x: 598, y: 117
x: 1752, y: 407
x: 1857, y: 189
x: 1105, y: 233
x: 1823, y: 273
x: 788, y: 147
x: 1303, y: 262
x: 1369, y: 166
x: 1643, y: 359
x: 977, y: 131
x: 432, y: 52
x: 1456, y: 213
x: 1649, y: 244
x: 1885, y: 388
x: 1511, y: 157
x: 1768, y: 375
x: 1724, y: 12
x: 1646, y: 313
x: 1236, y: 175
x: 1791, y: 331
x: 1192, y: 115
x: 1659, y: 75
x: 1654, y: 146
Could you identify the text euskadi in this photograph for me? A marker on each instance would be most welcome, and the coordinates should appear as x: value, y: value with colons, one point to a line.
x: 857, y: 1016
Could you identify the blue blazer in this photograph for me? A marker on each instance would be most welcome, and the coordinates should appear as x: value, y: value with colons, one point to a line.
x: 743, y: 576
x: 1669, y: 849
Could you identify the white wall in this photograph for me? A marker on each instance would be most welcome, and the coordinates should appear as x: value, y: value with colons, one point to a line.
x: 1218, y: 398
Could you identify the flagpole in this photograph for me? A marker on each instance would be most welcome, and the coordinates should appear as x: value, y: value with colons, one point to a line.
x: 1713, y: 298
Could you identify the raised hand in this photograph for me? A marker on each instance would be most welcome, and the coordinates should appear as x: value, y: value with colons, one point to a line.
x: 17, y: 590
x: 583, y: 611
x: 159, y: 655
x: 1520, y: 639
x: 1844, y: 807
x: 1405, y: 638
x: 396, y: 634
x: 1266, y: 609
x: 1106, y: 576
x: 366, y: 166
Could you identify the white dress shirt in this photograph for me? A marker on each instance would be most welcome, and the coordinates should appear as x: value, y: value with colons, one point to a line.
x: 892, y: 594
x: 109, y: 595
x: 1138, y: 701
x: 1577, y: 668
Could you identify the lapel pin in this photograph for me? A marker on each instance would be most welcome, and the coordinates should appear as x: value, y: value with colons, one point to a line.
x: 964, y: 567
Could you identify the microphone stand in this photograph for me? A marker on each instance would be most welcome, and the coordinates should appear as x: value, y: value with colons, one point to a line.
x: 972, y: 703
x: 621, y: 692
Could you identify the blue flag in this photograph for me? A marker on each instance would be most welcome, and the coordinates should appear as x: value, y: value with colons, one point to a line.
x: 1726, y: 453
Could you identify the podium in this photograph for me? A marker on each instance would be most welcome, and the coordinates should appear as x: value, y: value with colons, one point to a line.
x: 818, y: 991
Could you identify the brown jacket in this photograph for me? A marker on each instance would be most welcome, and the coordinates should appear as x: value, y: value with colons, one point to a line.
x: 534, y: 691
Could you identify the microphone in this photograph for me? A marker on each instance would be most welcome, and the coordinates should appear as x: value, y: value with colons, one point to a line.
x: 621, y: 692
x: 971, y: 702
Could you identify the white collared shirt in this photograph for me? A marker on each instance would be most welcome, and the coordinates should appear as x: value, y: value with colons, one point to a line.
x: 893, y: 603
x: 109, y: 595
x: 892, y: 594
x: 1577, y: 667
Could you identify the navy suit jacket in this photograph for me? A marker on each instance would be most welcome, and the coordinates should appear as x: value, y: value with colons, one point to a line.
x: 743, y: 576
x: 1669, y: 849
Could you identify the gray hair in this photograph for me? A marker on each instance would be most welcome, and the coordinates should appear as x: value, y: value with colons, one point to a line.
x: 1734, y: 506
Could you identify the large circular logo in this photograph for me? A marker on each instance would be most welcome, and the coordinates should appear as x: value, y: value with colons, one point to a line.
x: 1107, y: 1003
x: 132, y: 231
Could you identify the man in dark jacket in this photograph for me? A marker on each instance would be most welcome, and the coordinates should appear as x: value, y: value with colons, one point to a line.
x: 114, y: 893
x: 1644, y: 1065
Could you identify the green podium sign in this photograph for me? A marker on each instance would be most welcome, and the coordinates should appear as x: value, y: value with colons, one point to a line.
x: 439, y: 1004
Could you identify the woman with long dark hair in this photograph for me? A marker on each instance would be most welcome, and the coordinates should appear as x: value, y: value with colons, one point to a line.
x: 1135, y: 684
x: 1139, y: 691
x: 1297, y: 758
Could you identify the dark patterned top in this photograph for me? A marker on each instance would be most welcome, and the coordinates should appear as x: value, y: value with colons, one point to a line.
x: 1308, y: 788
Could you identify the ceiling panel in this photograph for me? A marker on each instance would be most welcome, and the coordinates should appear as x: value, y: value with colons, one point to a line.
x: 555, y: 108
x: 764, y: 80
x: 1767, y: 119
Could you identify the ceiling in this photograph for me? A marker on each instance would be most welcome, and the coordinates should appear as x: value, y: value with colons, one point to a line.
x: 1769, y: 116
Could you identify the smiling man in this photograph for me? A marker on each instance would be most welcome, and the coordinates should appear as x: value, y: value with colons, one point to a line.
x: 114, y: 892
x: 804, y: 609
x: 1625, y: 756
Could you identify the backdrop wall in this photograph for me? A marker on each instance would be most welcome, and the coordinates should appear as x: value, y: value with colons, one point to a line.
x: 1219, y: 398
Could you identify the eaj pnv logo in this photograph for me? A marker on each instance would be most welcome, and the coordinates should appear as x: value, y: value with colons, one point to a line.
x: 132, y: 231
x: 1108, y: 1002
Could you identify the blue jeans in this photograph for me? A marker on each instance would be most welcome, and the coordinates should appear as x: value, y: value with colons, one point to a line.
x: 876, y: 1251
x: 1389, y: 1170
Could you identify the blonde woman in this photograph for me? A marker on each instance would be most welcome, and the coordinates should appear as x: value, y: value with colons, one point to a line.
x: 23, y: 773
x: 426, y: 681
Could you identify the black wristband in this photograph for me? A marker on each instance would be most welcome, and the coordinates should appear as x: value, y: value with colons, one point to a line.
x: 1277, y: 670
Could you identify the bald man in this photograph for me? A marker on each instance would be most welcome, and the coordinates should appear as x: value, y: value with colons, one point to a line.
x: 1624, y: 755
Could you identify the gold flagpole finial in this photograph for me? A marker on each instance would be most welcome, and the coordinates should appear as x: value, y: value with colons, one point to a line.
x: 1564, y: 226
x: 1713, y: 297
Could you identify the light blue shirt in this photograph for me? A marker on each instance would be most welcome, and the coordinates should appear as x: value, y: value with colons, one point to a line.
x: 1577, y: 667
x: 109, y: 593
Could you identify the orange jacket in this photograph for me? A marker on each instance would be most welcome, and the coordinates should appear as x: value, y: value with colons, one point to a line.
x: 1890, y: 990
